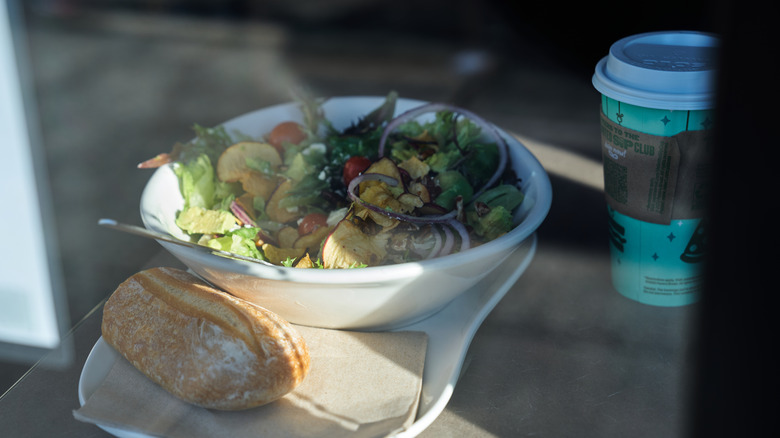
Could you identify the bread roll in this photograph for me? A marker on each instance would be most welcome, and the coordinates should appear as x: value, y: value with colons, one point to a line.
x: 203, y: 345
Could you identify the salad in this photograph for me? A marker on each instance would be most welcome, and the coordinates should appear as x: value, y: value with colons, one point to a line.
x: 383, y: 190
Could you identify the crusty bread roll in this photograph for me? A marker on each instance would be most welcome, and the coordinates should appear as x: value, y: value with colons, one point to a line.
x: 201, y: 344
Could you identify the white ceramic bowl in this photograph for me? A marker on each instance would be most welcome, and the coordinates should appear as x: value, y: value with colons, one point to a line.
x: 373, y: 298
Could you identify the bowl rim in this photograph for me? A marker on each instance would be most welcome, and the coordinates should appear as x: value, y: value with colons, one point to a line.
x: 537, y: 178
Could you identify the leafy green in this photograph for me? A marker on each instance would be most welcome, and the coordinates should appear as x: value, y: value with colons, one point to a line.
x: 225, y: 194
x: 306, y: 194
x: 258, y: 204
x: 376, y: 119
x: 508, y: 196
x: 480, y: 164
x: 455, y: 145
x: 259, y: 165
x: 200, y: 187
x: 359, y: 139
x: 453, y: 184
x: 444, y: 160
x: 198, y: 220
x: 491, y: 213
x: 239, y: 241
x: 309, y: 161
x: 209, y: 141
x: 245, y: 232
x: 491, y: 225
x: 196, y: 181
x: 343, y: 147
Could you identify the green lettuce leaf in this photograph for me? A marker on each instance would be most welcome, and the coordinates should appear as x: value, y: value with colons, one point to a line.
x: 241, y: 242
x: 200, y: 187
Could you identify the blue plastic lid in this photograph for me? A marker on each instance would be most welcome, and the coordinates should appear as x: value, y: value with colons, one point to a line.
x: 664, y: 70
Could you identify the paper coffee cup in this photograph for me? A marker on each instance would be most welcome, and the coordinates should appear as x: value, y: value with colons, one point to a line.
x: 657, y: 106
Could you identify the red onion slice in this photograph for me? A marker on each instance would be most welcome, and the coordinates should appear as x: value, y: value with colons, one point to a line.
x: 242, y: 215
x: 449, y: 241
x: 437, y: 243
x: 465, y: 240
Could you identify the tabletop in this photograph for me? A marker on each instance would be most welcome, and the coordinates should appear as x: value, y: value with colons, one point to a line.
x: 563, y: 354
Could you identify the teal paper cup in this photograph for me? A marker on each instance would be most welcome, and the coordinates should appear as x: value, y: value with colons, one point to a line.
x: 657, y: 106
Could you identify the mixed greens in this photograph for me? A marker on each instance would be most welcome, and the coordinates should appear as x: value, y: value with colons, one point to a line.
x: 383, y: 190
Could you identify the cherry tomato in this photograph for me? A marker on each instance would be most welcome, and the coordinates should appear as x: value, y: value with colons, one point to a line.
x: 311, y: 222
x: 354, y: 167
x: 286, y: 132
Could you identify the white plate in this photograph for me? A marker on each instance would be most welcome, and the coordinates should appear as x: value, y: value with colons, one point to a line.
x: 450, y: 332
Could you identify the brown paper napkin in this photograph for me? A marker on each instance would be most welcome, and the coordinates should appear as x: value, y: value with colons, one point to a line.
x: 360, y: 385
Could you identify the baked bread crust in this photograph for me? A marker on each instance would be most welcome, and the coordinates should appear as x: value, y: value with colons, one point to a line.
x: 203, y: 345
